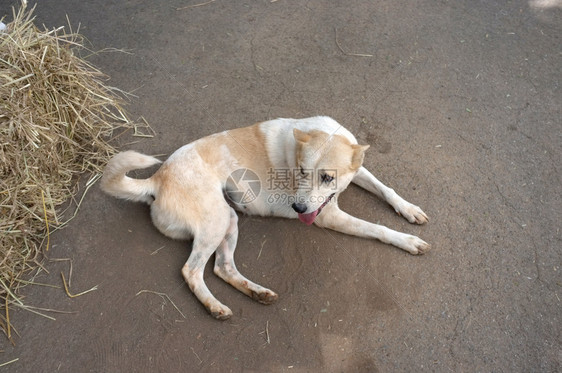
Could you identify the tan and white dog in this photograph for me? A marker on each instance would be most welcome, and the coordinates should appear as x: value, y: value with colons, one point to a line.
x: 306, y: 163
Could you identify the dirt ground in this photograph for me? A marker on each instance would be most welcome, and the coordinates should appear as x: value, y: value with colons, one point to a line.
x: 460, y: 102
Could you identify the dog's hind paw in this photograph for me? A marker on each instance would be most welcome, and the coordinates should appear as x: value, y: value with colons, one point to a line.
x: 265, y: 297
x: 220, y: 313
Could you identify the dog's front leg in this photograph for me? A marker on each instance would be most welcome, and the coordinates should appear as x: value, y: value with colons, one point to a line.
x: 334, y: 218
x: 368, y: 181
x: 226, y: 269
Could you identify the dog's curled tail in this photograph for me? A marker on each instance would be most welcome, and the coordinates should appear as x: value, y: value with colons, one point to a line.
x: 115, y: 182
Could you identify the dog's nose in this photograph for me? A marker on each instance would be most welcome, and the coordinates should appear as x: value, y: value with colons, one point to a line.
x: 299, y: 207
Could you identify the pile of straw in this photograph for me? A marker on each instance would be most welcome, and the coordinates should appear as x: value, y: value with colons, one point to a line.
x: 56, y: 116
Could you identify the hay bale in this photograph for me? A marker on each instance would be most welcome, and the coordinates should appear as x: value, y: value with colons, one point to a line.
x: 56, y: 117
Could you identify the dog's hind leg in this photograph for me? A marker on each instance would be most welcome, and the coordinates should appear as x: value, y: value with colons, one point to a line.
x: 206, y: 240
x: 226, y: 269
x: 334, y: 218
x: 411, y: 212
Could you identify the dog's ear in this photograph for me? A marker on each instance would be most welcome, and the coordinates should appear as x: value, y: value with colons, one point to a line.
x: 358, y: 155
x: 301, y: 136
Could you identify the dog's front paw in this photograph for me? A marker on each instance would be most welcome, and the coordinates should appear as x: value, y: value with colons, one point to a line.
x: 412, y: 213
x: 414, y: 245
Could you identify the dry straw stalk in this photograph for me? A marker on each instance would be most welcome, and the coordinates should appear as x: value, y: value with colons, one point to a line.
x: 56, y: 118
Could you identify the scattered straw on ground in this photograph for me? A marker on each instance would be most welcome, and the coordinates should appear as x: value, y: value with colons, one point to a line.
x: 56, y: 116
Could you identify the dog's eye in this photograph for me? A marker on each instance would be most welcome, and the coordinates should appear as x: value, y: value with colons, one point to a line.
x: 326, y: 178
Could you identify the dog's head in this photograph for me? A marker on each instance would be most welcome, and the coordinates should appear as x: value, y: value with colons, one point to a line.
x: 325, y: 165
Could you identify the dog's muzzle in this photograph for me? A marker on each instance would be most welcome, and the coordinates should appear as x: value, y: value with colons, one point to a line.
x: 308, y: 219
x: 299, y: 207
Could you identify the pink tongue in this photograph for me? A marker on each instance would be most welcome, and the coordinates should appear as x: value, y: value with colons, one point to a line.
x: 308, y: 218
